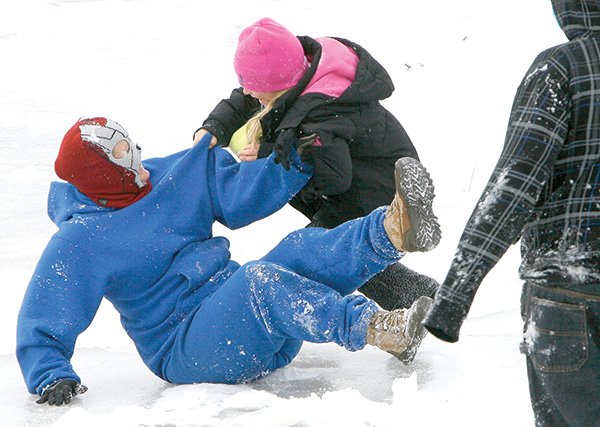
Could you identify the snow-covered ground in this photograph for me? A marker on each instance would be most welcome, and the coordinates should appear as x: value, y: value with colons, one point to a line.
x: 158, y: 67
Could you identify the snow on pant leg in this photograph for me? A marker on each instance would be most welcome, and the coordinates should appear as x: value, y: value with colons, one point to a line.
x: 343, y: 257
x: 256, y: 322
x: 561, y: 340
x: 395, y: 287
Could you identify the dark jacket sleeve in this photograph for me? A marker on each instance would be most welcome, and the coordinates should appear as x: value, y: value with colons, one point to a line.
x: 538, y: 127
x: 229, y: 115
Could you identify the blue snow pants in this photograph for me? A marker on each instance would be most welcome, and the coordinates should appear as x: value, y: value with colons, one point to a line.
x: 562, y: 344
x: 257, y: 319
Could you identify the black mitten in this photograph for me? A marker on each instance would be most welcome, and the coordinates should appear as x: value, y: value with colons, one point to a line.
x: 61, y: 392
x: 284, y: 143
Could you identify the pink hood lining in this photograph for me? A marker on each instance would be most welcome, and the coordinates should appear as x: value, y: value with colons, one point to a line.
x: 336, y: 70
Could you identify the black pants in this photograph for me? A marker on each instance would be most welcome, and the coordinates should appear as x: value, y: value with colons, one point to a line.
x: 561, y: 340
x: 397, y: 286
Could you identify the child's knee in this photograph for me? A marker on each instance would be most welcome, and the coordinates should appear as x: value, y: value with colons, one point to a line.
x: 263, y: 272
x: 265, y: 279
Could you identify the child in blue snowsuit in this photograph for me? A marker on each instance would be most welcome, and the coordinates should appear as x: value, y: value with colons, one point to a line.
x: 141, y: 237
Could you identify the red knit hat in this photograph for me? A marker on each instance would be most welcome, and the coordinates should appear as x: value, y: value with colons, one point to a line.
x: 85, y: 159
x: 268, y: 57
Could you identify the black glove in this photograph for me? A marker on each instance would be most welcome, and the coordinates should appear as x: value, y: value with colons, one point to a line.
x: 61, y: 392
x: 284, y: 143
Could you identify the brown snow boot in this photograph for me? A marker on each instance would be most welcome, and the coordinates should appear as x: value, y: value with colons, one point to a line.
x: 409, y: 221
x: 399, y: 332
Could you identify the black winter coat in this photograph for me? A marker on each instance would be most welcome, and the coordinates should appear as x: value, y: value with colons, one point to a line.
x: 360, y: 139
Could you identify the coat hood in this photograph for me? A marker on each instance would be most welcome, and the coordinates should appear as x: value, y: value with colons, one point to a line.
x: 371, y: 81
x: 577, y: 18
x: 65, y: 201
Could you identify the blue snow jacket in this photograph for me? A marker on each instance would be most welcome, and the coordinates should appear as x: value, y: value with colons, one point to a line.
x: 155, y: 260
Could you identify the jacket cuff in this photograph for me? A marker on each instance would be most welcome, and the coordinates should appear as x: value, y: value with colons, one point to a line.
x: 445, y: 319
x: 216, y: 132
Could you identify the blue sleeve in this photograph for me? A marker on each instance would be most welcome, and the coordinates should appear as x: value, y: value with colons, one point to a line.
x: 60, y: 302
x: 245, y: 192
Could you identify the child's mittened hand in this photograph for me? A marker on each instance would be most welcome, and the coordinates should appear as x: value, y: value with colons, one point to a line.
x: 61, y: 392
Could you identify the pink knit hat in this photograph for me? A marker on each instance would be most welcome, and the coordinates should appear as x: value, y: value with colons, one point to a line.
x: 268, y: 57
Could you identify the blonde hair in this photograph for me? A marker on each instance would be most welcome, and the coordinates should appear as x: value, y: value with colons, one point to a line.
x: 254, y: 128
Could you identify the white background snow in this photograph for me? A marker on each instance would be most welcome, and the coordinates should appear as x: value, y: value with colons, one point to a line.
x: 158, y: 67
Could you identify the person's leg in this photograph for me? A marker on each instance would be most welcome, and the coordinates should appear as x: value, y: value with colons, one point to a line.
x: 342, y: 258
x: 545, y: 411
x: 345, y: 257
x: 414, y: 227
x: 562, y: 340
x: 398, y: 287
x: 256, y: 321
